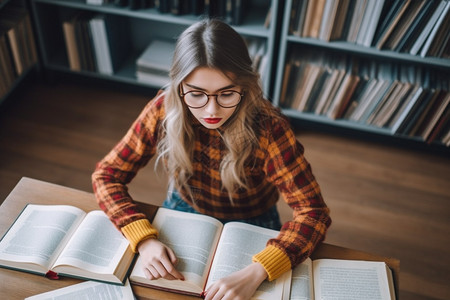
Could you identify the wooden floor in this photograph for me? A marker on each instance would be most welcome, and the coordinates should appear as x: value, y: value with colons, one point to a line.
x: 384, y: 199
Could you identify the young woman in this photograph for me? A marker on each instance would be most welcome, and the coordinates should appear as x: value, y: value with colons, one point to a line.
x: 228, y: 153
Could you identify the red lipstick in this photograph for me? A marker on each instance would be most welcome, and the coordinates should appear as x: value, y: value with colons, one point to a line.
x: 212, y: 120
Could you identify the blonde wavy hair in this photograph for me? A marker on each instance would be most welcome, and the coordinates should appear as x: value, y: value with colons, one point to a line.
x: 212, y: 44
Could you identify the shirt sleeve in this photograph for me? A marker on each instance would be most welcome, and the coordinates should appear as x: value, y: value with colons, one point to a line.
x: 119, y: 167
x: 287, y: 168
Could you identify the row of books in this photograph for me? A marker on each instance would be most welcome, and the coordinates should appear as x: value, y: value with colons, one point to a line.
x: 17, y: 45
x: 94, y: 42
x: 88, y: 246
x: 231, y: 11
x: 417, y: 27
x: 398, y: 103
x: 153, y: 65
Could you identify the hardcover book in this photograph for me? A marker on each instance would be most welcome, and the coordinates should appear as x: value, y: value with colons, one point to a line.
x: 63, y: 240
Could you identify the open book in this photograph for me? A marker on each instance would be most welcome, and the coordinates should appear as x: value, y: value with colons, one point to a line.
x: 64, y: 240
x: 207, y: 250
x: 89, y: 290
x: 341, y: 279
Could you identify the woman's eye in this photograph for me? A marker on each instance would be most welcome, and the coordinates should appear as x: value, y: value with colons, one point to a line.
x: 226, y: 94
x: 197, y: 94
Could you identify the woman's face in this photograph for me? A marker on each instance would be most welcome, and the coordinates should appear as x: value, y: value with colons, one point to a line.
x: 211, y: 82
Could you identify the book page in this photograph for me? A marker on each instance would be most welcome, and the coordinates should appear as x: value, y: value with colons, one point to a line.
x: 96, y: 246
x: 88, y: 290
x: 302, y: 282
x: 237, y: 245
x: 38, y: 235
x: 351, y: 280
x: 193, y: 238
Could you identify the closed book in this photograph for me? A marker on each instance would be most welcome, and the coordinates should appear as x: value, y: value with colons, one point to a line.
x: 311, y: 78
x: 435, y: 115
x: 392, y: 23
x: 384, y: 105
x: 70, y: 40
x: 415, y: 48
x: 337, y: 30
x: 366, y: 19
x: 326, y: 92
x: 316, y: 90
x: 153, y: 65
x: 377, y: 100
x: 417, y: 114
x: 158, y: 55
x: 441, y: 128
x: 299, y: 20
x: 12, y: 24
x: 356, y: 21
x: 440, y: 29
x: 109, y: 41
x: 313, y: 18
x: 387, y: 112
x: 408, y: 111
x: 343, y: 96
x: 86, y: 42
x: 329, y: 15
x: 416, y: 26
x: 374, y: 20
x: 290, y: 83
x: 404, y: 23
x: 6, y: 63
x: 424, y: 117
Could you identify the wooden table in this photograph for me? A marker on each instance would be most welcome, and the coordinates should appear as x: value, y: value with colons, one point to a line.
x: 19, y: 285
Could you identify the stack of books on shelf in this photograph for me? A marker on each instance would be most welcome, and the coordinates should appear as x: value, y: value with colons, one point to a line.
x: 153, y: 65
x: 417, y: 27
x: 94, y: 42
x: 231, y: 11
x: 399, y: 99
x: 17, y: 45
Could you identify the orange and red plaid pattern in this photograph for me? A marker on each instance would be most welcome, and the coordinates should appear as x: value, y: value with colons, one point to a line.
x: 277, y: 167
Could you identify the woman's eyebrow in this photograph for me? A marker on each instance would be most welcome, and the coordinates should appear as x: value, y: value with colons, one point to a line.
x: 202, y: 89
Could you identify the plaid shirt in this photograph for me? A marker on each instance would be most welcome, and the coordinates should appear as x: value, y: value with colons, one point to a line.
x: 277, y: 166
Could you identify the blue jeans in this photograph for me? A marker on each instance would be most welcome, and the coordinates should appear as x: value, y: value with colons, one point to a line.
x: 269, y: 219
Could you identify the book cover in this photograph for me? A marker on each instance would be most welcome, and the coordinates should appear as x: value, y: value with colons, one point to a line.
x: 158, y: 55
x: 109, y: 41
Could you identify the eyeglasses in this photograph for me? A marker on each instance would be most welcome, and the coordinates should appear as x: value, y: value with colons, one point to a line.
x: 198, y: 99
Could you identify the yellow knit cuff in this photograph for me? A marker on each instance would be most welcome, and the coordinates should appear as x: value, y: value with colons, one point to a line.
x: 138, y: 231
x: 274, y: 261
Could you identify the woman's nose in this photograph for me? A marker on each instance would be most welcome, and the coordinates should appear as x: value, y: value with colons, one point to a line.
x: 212, y: 107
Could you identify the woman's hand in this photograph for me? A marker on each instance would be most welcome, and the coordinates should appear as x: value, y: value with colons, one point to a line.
x: 240, y: 285
x: 158, y: 260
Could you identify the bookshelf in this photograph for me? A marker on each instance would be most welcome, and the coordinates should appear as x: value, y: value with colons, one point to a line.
x: 137, y: 29
x: 309, y: 53
x: 18, y: 55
